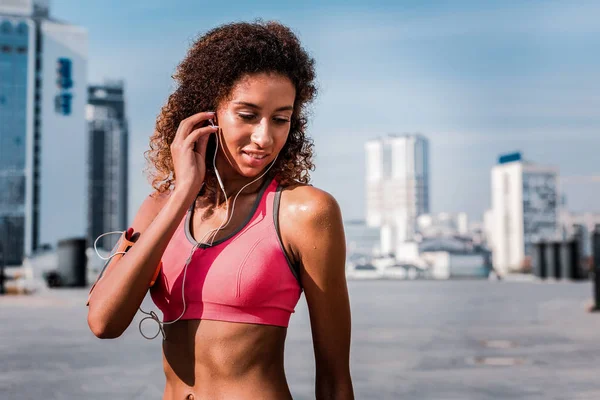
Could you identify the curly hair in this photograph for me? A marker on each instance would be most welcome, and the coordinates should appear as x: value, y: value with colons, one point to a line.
x: 206, y: 76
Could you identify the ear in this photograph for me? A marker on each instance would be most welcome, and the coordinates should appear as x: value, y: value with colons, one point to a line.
x: 216, y: 117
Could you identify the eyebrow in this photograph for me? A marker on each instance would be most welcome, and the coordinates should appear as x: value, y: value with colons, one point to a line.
x: 252, y: 105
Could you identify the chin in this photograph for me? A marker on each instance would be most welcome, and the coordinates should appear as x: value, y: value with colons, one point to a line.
x: 252, y: 168
x: 249, y: 172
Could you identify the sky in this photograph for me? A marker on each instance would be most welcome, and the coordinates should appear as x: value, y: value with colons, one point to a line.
x: 478, y: 78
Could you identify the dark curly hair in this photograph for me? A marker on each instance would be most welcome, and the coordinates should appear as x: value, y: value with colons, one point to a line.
x: 206, y: 76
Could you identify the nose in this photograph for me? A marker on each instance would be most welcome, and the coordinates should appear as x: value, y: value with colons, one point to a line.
x: 262, y: 134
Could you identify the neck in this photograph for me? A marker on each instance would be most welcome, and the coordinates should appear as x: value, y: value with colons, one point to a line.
x: 233, y: 182
x: 234, y: 185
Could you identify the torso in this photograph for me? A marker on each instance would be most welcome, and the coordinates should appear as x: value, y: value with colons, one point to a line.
x: 209, y: 359
x: 206, y: 359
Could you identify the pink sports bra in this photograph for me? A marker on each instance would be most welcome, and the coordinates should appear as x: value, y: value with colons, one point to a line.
x: 244, y: 277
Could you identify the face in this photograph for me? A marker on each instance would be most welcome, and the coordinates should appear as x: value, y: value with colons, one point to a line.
x: 254, y: 123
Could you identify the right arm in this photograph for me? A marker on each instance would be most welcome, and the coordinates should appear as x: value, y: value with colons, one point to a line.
x: 118, y: 295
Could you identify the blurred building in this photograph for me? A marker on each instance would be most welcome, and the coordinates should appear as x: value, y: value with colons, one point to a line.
x: 413, y: 243
x: 444, y: 224
x: 450, y: 247
x: 580, y: 224
x: 361, y: 240
x: 488, y: 228
x: 438, y: 257
x: 452, y: 264
x: 525, y: 209
x: 397, y: 185
x: 43, y: 73
x: 107, y: 162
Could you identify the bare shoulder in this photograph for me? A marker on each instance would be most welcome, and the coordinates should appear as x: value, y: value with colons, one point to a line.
x: 309, y: 218
x: 306, y: 204
x: 149, y: 209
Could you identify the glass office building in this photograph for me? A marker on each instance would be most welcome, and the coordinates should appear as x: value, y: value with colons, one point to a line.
x: 43, y: 82
x: 16, y: 53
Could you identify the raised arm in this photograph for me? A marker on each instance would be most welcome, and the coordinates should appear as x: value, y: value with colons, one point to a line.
x: 319, y: 244
x: 118, y: 295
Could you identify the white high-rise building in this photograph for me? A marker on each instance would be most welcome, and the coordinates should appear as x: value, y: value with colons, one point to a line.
x: 43, y: 83
x: 397, y: 184
x: 525, y: 209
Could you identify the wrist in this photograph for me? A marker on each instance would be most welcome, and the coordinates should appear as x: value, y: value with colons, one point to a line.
x: 184, y: 193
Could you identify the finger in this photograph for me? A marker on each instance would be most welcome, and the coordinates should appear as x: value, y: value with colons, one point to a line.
x: 187, y: 125
x: 201, y: 145
x: 199, y: 133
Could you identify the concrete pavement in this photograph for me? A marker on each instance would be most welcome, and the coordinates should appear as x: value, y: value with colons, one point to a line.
x: 443, y: 340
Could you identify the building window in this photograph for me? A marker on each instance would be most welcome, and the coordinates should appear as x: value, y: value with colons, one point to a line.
x: 387, y: 161
x: 22, y: 28
x: 21, y: 50
x: 6, y: 49
x: 6, y: 27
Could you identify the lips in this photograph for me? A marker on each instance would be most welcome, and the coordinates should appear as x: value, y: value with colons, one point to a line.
x: 258, y: 156
x: 254, y: 159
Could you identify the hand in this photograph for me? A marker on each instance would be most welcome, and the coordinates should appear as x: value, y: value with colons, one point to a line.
x: 188, y: 151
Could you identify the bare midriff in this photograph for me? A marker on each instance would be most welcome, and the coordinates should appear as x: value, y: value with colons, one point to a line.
x: 206, y: 359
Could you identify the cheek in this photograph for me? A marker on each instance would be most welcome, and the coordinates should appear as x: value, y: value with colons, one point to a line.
x: 228, y: 123
x: 232, y: 131
x: 282, y: 138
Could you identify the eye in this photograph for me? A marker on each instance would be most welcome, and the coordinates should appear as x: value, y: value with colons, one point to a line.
x: 246, y: 117
x: 281, y: 120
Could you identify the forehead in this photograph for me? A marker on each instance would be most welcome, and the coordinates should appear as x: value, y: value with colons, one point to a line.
x: 263, y: 87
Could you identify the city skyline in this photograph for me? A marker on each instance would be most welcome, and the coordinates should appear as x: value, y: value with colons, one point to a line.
x: 478, y: 80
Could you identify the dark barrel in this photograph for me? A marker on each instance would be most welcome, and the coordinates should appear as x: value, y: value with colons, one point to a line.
x: 72, y: 262
x: 540, y: 268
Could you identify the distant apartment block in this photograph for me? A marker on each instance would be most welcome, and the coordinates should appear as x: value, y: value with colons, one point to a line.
x: 525, y: 209
x: 397, y: 186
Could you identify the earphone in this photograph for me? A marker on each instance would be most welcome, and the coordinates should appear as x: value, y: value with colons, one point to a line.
x: 152, y: 315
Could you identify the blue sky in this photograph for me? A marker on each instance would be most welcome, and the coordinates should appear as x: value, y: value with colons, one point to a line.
x: 478, y: 78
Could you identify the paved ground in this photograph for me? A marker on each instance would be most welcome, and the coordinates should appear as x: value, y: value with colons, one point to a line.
x: 411, y: 340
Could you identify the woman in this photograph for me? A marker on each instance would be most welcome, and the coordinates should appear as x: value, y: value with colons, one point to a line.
x: 236, y: 227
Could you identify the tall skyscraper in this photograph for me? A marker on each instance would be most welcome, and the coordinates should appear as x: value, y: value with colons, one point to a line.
x: 108, y: 157
x: 397, y: 184
x: 525, y: 209
x: 42, y: 128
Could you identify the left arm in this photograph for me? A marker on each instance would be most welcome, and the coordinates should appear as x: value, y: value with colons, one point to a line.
x: 318, y: 242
